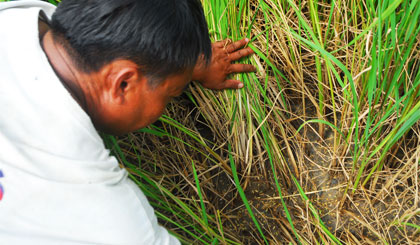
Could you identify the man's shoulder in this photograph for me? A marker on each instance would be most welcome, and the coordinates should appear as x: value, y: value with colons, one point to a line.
x: 24, y: 4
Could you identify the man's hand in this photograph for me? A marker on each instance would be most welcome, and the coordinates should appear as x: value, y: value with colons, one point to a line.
x: 224, y: 53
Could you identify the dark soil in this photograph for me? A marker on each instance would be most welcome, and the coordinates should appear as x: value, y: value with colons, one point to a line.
x: 323, y: 179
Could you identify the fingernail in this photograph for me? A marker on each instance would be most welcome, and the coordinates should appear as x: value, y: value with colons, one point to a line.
x: 241, y: 85
x: 246, y: 40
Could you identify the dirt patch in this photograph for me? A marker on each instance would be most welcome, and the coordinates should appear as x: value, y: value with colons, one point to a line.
x: 366, y: 216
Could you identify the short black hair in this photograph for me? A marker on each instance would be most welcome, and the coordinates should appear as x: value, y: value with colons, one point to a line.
x: 162, y: 37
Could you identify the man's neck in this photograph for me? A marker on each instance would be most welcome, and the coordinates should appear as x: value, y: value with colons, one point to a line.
x: 63, y: 67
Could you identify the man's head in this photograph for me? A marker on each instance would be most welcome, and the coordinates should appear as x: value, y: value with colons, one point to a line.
x: 141, y: 50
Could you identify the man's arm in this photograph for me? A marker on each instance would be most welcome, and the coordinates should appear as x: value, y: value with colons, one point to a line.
x: 213, y: 76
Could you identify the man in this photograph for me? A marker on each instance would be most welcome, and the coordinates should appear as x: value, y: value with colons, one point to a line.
x: 108, y: 65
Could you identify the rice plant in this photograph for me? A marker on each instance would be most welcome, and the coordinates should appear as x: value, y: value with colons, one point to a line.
x: 319, y: 147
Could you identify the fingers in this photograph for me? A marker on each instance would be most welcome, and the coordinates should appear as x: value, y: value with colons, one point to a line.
x: 230, y: 46
x: 220, y: 44
x: 236, y: 45
x: 239, y: 68
x: 240, y: 54
x: 234, y: 84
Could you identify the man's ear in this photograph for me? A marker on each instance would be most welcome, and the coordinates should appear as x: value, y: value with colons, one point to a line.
x: 124, y: 78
